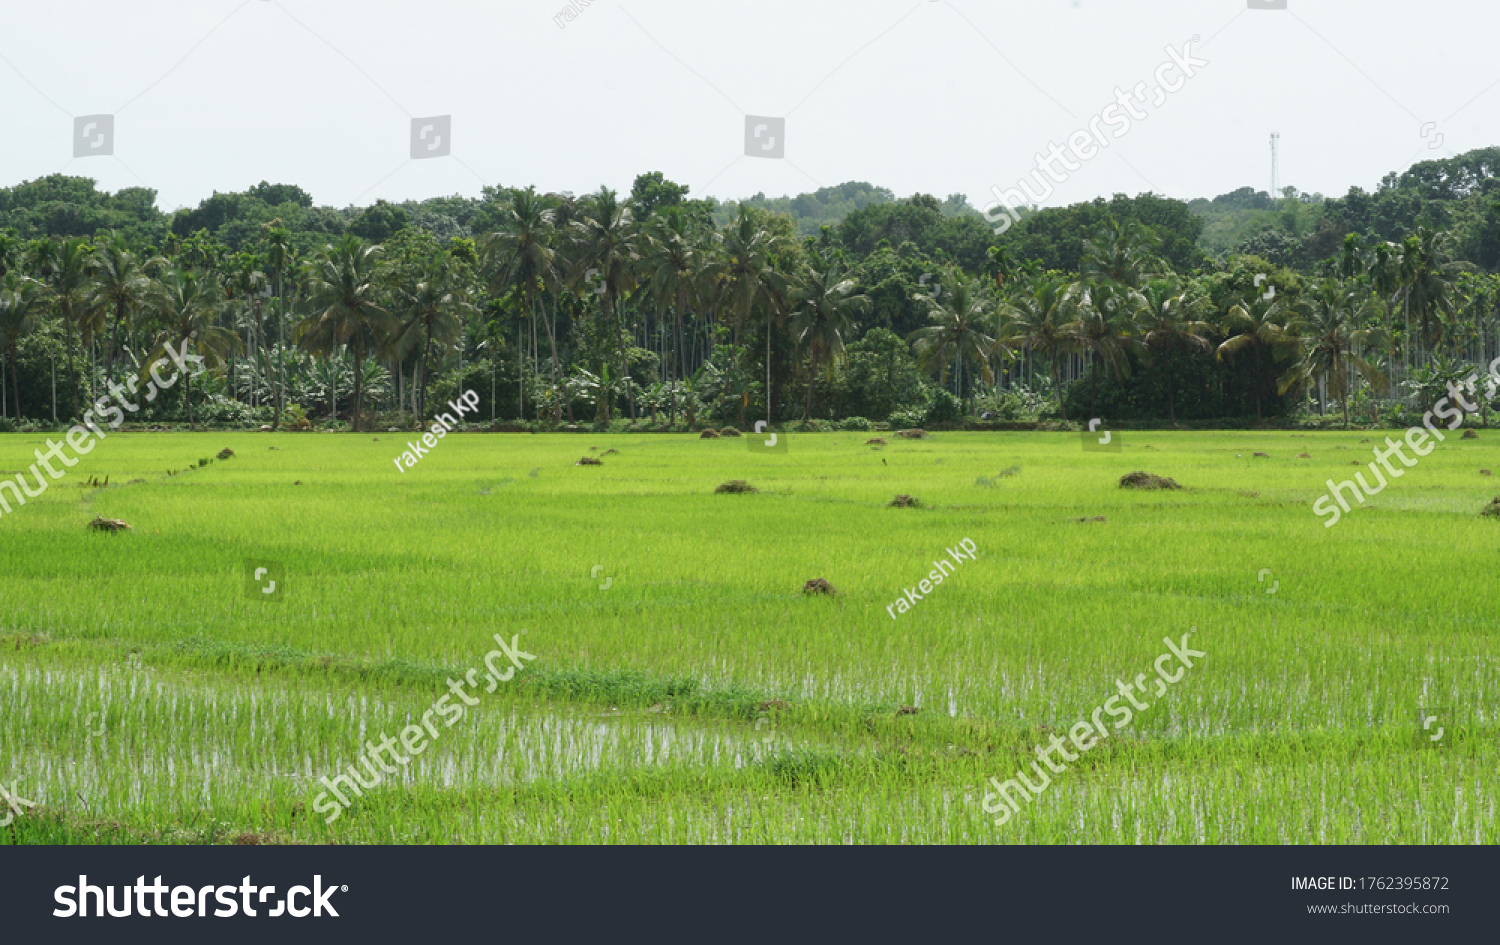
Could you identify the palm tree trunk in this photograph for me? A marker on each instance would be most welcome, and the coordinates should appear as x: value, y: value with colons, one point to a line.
x: 614, y: 305
x: 1171, y: 410
x: 15, y: 385
x: 359, y: 380
x: 72, y: 370
x: 812, y: 377
x: 1057, y: 382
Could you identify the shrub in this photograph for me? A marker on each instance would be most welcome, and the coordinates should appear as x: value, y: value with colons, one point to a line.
x: 857, y: 425
x: 906, y: 419
x: 944, y: 408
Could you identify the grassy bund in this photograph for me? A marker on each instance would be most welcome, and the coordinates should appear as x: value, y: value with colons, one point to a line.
x: 685, y: 689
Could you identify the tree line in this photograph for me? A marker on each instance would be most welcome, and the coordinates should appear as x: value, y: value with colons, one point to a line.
x: 667, y: 311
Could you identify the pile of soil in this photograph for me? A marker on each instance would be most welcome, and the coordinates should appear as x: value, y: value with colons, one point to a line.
x: 1144, y: 480
x: 1304, y: 456
x: 708, y: 435
x: 904, y: 502
x: 875, y: 442
x: 1264, y: 455
x: 729, y: 431
x: 819, y: 586
x: 1493, y: 509
x: 225, y: 453
x: 108, y: 524
x: 1470, y: 435
x: 1485, y: 472
x: 912, y: 434
x: 735, y: 485
x: 609, y: 452
x: 589, y: 461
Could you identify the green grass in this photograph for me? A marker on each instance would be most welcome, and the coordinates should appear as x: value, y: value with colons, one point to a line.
x: 702, y: 697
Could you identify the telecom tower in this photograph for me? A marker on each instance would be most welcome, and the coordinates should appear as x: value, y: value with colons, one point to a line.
x: 1275, y: 171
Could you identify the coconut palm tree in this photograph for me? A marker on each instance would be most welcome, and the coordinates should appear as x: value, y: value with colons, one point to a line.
x: 1331, y: 338
x: 119, y: 287
x: 1123, y: 253
x: 824, y: 306
x: 23, y: 304
x: 1040, y: 317
x: 1104, y: 329
x: 749, y: 280
x: 1261, y: 326
x: 672, y: 256
x: 607, y: 236
x: 518, y: 254
x: 1170, y: 323
x: 346, y: 307
x: 69, y: 281
x: 956, y: 336
x: 187, y: 307
x: 433, y: 308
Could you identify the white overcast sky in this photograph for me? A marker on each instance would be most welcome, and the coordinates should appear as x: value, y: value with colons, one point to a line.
x: 936, y: 96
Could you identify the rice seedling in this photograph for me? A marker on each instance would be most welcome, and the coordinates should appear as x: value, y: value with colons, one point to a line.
x: 687, y: 688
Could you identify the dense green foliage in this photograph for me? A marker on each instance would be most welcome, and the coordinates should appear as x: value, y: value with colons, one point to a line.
x: 672, y: 311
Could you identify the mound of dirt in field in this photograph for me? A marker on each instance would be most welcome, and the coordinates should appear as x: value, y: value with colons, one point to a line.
x: 735, y: 485
x: 1485, y: 472
x: 728, y: 431
x: 1493, y: 509
x: 225, y: 453
x: 1145, y: 480
x: 102, y: 524
x: 819, y: 586
x: 904, y: 502
x: 912, y: 434
x: 589, y: 461
x: 1304, y: 456
x: 609, y: 452
x: 1264, y: 455
x: 1470, y: 435
x: 708, y: 435
x: 875, y: 442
